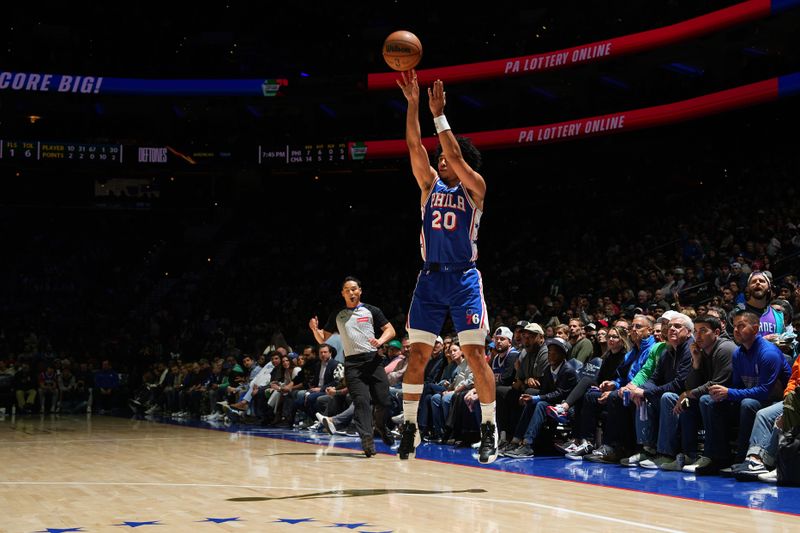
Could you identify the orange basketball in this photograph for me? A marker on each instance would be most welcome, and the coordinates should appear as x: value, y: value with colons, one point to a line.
x: 402, y: 50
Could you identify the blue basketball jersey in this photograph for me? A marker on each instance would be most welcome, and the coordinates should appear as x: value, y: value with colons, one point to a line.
x: 450, y: 223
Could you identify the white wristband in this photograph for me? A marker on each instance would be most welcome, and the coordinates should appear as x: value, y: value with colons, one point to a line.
x: 441, y: 124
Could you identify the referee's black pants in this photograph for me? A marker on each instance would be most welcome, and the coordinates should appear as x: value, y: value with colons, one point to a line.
x: 366, y: 379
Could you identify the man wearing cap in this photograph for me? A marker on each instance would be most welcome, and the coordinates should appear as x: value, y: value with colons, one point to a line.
x: 397, y: 362
x: 359, y: 323
x: 517, y: 340
x: 556, y: 384
x: 505, y: 358
x: 530, y: 367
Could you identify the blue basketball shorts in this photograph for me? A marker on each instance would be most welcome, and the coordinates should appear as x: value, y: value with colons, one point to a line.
x: 460, y: 293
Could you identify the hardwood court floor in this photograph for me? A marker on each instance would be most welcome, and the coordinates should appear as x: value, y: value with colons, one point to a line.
x: 113, y: 474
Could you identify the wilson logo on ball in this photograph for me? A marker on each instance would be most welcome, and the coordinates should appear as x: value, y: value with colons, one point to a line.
x: 402, y: 50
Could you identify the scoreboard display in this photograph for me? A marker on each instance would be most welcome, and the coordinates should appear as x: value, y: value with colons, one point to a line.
x: 303, y: 154
x: 55, y: 151
x: 90, y: 154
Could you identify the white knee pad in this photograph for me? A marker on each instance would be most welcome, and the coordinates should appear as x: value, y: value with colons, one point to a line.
x: 472, y: 337
x: 424, y: 337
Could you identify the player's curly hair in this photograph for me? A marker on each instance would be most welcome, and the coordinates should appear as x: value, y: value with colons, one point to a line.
x: 468, y: 151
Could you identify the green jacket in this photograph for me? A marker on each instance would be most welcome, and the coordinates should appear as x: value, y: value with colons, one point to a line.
x: 649, y: 366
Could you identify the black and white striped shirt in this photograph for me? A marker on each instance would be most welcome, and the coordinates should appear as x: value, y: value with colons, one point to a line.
x: 357, y: 326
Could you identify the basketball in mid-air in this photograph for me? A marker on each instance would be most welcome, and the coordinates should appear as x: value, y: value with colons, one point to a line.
x: 402, y: 50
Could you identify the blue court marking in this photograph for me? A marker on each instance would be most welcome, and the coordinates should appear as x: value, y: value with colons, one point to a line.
x: 709, y: 489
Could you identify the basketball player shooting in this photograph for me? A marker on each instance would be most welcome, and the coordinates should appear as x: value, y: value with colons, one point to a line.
x: 452, y: 199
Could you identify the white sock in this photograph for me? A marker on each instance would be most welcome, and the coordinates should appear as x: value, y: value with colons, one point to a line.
x: 487, y: 412
x: 410, y: 408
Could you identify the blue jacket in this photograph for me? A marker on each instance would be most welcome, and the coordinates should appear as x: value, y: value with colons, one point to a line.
x: 634, y: 360
x: 106, y: 379
x: 760, y: 373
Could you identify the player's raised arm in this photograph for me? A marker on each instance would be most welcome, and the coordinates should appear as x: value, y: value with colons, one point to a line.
x: 471, y: 180
x: 420, y: 164
x: 320, y: 335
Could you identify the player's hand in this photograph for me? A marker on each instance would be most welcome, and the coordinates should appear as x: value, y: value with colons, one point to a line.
x: 313, y: 324
x: 409, y: 85
x: 375, y: 343
x: 437, y: 98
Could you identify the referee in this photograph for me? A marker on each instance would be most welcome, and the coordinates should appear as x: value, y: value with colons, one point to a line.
x: 358, y: 324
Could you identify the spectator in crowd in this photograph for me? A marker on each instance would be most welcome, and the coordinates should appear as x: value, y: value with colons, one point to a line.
x: 582, y: 348
x: 586, y: 401
x: 619, y: 423
x: 760, y: 374
x: 25, y: 388
x: 556, y: 385
x: 281, y: 388
x: 712, y: 356
x: 660, y: 395
x: 68, y: 395
x: 529, y: 369
x: 439, y: 371
x: 48, y: 389
x: 106, y: 387
x: 441, y: 402
x: 503, y: 361
x: 788, y: 422
x: 322, y: 378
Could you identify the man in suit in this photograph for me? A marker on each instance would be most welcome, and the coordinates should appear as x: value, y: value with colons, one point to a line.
x: 322, y: 378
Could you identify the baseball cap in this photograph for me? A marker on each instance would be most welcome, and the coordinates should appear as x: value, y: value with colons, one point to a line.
x: 560, y: 343
x: 520, y: 325
x: 439, y: 339
x: 394, y: 343
x: 503, y: 331
x: 533, y: 327
x: 590, y: 325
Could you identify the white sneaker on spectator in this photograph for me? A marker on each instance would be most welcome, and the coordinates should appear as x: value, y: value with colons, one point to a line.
x: 657, y: 462
x: 637, y: 458
x: 584, y: 448
x: 769, y: 477
x: 328, y: 425
x: 398, y: 419
x: 701, y: 462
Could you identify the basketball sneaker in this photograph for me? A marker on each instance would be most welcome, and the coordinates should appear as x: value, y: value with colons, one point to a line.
x: 409, y: 440
x: 487, y: 453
